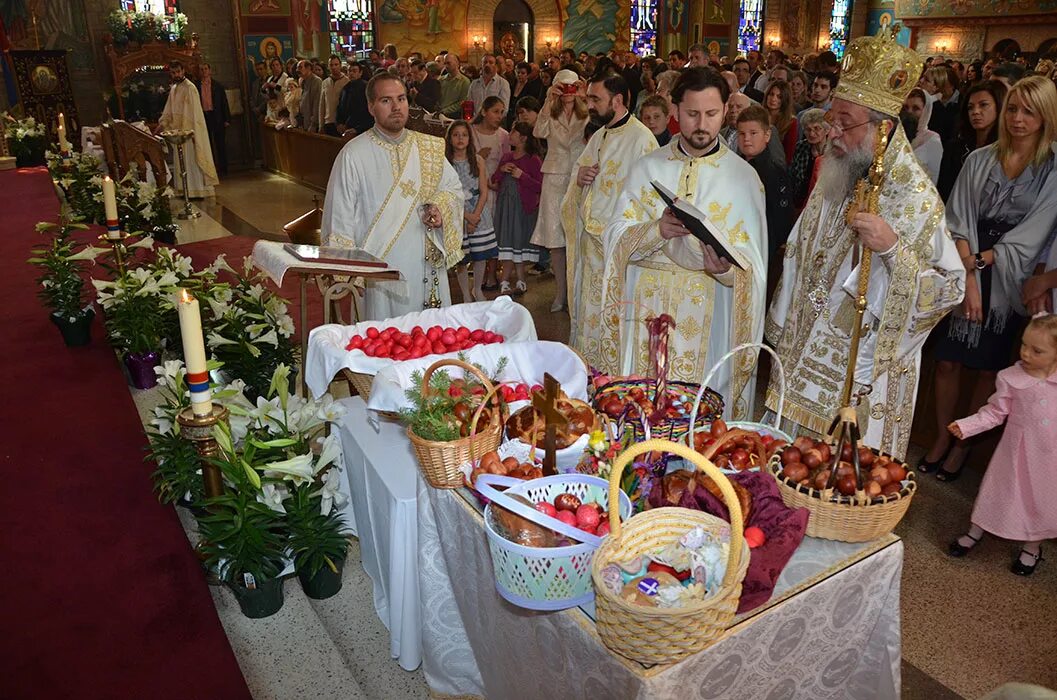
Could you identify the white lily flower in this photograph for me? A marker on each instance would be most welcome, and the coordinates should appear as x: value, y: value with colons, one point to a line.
x: 329, y: 453
x: 296, y: 469
x: 270, y: 337
x: 332, y: 496
x: 285, y: 326
x: 147, y: 243
x: 145, y: 192
x: 102, y: 285
x: 216, y: 340
x: 255, y: 292
x: 183, y: 265
x: 224, y: 295
x: 219, y: 264
x: 273, y: 495
x: 267, y: 412
x: 247, y: 265
x: 168, y: 279
x: 162, y: 422
x: 330, y: 410
x: 89, y: 252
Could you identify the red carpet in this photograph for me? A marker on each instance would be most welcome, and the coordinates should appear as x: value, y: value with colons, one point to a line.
x: 102, y: 596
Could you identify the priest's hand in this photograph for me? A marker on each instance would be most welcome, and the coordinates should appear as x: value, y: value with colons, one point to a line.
x: 714, y: 265
x: 874, y: 232
x: 431, y: 216
x: 586, y: 175
x: 671, y: 227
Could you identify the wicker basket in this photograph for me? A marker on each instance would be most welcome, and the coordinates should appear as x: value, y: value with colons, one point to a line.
x: 441, y: 461
x: 846, y: 519
x: 359, y: 382
x: 666, y: 635
x: 774, y: 431
x: 636, y: 428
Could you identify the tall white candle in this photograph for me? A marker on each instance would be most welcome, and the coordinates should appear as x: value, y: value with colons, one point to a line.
x: 113, y: 228
x: 64, y: 145
x: 194, y: 353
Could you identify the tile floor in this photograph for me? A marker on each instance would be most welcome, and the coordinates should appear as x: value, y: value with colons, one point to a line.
x: 968, y: 625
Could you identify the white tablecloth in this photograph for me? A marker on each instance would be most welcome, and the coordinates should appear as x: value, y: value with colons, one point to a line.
x: 382, y: 478
x: 832, y: 630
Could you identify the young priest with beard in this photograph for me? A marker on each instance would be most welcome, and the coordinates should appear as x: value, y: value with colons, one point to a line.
x: 653, y: 261
x: 916, y: 275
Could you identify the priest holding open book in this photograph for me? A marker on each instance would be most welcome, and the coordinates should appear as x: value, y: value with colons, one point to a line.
x: 656, y: 264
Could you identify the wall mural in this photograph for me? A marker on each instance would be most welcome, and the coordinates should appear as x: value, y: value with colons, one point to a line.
x: 972, y: 8
x: 264, y: 47
x: 593, y: 25
x: 427, y: 26
x: 874, y: 19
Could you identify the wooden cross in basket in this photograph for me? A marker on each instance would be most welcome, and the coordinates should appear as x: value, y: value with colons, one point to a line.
x: 546, y: 402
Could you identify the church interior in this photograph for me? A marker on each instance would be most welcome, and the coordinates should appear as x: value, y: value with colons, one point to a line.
x: 120, y: 583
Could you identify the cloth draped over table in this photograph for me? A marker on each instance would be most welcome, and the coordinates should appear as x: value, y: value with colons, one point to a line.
x: 585, y: 213
x: 911, y: 288
x: 374, y: 197
x: 183, y: 112
x: 712, y: 313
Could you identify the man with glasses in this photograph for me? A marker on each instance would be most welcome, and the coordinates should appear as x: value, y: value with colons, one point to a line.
x: 916, y: 275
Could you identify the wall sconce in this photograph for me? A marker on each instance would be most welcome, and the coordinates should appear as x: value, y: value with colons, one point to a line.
x: 478, y: 42
x: 941, y: 48
x: 551, y: 42
x: 773, y: 41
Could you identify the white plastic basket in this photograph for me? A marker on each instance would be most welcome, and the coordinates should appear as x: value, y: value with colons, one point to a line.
x: 550, y: 578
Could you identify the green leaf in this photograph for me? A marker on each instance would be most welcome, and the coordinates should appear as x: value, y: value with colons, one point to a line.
x: 254, y: 477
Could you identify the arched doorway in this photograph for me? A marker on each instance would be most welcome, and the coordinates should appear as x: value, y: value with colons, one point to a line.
x: 513, y: 27
x: 1006, y: 49
x: 1048, y: 48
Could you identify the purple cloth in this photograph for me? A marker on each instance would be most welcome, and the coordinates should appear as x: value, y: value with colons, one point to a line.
x: 531, y: 182
x: 783, y: 526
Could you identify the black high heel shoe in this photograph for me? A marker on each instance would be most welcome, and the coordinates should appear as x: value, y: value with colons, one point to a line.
x: 1020, y: 568
x: 926, y: 467
x: 958, y: 550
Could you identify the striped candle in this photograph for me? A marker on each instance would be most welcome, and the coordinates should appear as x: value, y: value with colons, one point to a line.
x: 194, y: 354
x: 113, y: 227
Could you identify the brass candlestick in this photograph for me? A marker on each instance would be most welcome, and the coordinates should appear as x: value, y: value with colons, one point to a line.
x: 199, y: 430
x: 177, y: 139
x: 117, y: 248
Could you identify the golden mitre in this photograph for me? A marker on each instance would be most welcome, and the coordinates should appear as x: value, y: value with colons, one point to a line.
x: 878, y: 73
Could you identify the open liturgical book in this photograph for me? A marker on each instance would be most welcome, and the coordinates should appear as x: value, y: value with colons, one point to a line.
x: 700, y: 226
x: 341, y: 256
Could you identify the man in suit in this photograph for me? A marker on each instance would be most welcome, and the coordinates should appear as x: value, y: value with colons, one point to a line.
x: 311, y: 90
x: 218, y: 117
x: 426, y: 92
x: 353, y: 116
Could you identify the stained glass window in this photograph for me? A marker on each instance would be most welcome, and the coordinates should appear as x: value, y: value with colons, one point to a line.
x: 644, y: 27
x: 351, y: 27
x: 750, y: 25
x: 158, y: 7
x: 838, y: 26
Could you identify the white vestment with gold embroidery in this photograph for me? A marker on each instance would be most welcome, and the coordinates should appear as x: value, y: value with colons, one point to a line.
x: 911, y: 288
x: 712, y: 313
x: 183, y: 112
x: 586, y: 211
x: 374, y: 197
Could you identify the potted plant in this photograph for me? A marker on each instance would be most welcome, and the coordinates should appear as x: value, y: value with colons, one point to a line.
x: 117, y: 23
x: 26, y: 138
x: 250, y: 331
x: 62, y: 287
x: 136, y: 305
x: 318, y: 536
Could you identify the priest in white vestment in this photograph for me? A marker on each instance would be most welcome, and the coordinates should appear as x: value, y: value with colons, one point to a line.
x: 183, y: 112
x: 393, y: 194
x: 655, y: 265
x: 916, y: 276
x: 592, y: 201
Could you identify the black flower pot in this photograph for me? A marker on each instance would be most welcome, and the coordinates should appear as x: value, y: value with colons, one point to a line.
x: 264, y: 600
x: 77, y: 330
x: 324, y: 583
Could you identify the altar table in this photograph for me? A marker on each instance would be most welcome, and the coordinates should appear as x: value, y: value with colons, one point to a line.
x: 831, y: 630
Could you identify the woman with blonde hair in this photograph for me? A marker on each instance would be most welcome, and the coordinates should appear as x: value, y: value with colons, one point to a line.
x: 561, y: 122
x: 779, y: 103
x: 942, y: 83
x: 798, y: 83
x: 1001, y: 213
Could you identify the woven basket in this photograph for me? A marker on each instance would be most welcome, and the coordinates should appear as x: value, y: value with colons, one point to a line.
x: 669, y: 429
x: 848, y: 519
x: 666, y: 635
x: 441, y: 461
x: 359, y: 382
x: 774, y: 431
x: 544, y: 578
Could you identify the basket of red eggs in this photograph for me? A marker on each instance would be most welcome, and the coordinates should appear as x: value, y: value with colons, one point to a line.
x: 844, y: 506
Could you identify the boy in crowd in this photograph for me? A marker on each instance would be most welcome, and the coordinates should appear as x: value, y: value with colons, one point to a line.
x: 654, y: 114
x: 754, y: 135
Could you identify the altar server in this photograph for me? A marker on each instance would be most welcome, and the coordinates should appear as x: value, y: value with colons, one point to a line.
x: 183, y: 112
x: 593, y: 200
x: 653, y: 262
x: 916, y: 276
x: 375, y: 201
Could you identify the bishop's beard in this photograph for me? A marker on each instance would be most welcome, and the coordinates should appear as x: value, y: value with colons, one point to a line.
x: 841, y: 171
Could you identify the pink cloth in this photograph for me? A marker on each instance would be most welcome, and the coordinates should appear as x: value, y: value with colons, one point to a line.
x: 207, y: 95
x: 1018, y: 495
x: 531, y: 182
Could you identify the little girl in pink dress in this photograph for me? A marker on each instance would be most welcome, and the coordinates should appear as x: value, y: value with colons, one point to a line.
x: 1019, y: 490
